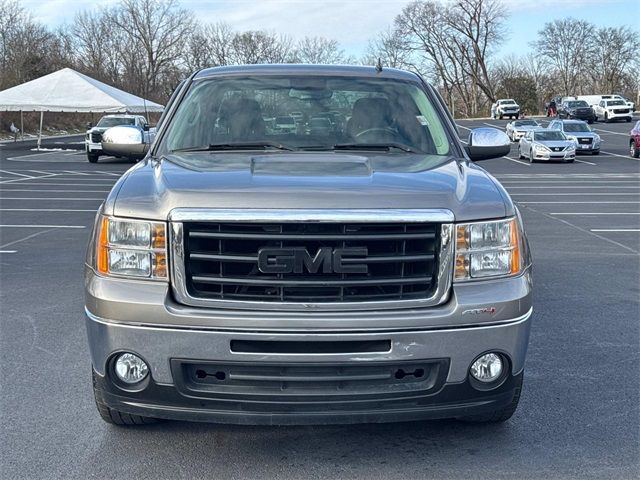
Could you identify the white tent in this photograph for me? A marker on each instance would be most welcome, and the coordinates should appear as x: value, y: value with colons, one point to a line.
x: 69, y: 91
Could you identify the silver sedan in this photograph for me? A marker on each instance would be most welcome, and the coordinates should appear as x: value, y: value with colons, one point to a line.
x: 516, y: 129
x: 545, y: 144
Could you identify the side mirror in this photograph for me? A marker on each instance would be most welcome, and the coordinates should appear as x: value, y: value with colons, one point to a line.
x: 125, y: 141
x: 486, y: 143
x: 146, y: 127
x: 89, y: 125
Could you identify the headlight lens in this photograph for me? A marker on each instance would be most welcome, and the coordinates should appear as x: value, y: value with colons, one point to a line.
x: 542, y: 148
x: 131, y: 248
x: 487, y: 249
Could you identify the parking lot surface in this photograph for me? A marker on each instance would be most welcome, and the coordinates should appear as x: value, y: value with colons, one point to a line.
x: 578, y: 417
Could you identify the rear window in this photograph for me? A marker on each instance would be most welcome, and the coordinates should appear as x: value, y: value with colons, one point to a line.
x: 360, y: 110
x: 612, y: 103
x: 578, y: 103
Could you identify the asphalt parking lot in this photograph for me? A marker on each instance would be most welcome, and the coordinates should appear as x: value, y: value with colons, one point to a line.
x: 578, y: 417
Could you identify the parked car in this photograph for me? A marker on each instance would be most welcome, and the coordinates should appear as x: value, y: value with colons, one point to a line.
x: 285, y: 124
x: 586, y: 140
x: 319, y: 126
x: 578, y: 109
x: 634, y: 140
x: 517, y: 128
x: 505, y: 107
x: 93, y: 138
x: 267, y: 278
x: 547, y: 145
x: 611, y: 110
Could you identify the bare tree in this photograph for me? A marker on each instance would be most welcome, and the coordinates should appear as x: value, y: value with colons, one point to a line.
x: 157, y: 29
x: 393, y: 50
x: 210, y: 45
x: 568, y: 45
x: 613, y: 53
x: 319, y: 50
x: 253, y: 47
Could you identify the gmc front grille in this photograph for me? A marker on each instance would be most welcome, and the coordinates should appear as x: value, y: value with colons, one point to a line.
x: 96, y: 137
x: 311, y: 262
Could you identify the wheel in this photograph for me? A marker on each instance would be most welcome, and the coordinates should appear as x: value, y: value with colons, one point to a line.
x: 519, y: 152
x: 92, y: 157
x: 606, y: 117
x: 590, y: 121
x: 501, y: 415
x: 531, y: 159
x: 628, y: 119
x: 115, y: 417
x: 595, y: 152
x: 570, y: 161
x: 634, y: 150
x: 500, y: 116
x: 517, y: 116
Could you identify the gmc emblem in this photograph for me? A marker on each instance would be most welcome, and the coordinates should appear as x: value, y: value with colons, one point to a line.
x: 298, y: 259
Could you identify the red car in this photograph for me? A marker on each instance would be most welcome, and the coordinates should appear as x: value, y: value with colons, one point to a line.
x: 634, y: 141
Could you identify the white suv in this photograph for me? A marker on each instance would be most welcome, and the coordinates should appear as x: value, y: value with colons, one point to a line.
x: 614, y: 109
x: 505, y: 107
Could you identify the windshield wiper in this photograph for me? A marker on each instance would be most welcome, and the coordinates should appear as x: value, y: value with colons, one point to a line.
x: 386, y: 146
x: 215, y: 147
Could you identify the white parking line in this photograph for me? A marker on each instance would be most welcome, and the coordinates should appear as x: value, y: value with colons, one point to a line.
x: 17, y: 174
x: 594, y: 213
x: 615, y: 230
x: 42, y: 226
x: 629, y: 157
x: 56, y: 191
x: 584, y: 161
x: 637, y: 186
x: 51, y: 198
x: 44, y: 210
x: 26, y: 238
x: 58, y: 184
x: 466, y: 128
x: 8, y: 251
x: 563, y: 202
x: 609, y: 131
x: 586, y: 194
x: 518, y: 161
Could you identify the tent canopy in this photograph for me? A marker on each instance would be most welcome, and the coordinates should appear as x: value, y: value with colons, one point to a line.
x: 69, y: 91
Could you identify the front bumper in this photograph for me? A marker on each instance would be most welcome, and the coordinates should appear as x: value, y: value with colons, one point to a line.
x: 92, y: 147
x: 555, y: 156
x: 443, y: 341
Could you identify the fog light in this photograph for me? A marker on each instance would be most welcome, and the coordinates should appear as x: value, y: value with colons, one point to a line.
x: 130, y: 368
x: 487, y: 368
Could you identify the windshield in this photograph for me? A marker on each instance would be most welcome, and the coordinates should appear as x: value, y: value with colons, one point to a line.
x: 579, y: 103
x: 507, y: 102
x: 549, y: 135
x: 576, y: 127
x: 115, y: 121
x: 331, y: 112
x: 611, y: 103
x: 522, y: 123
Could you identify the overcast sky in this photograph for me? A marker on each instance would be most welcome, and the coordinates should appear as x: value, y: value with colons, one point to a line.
x: 354, y: 22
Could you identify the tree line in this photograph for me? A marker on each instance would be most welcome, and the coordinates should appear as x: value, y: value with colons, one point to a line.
x: 147, y: 46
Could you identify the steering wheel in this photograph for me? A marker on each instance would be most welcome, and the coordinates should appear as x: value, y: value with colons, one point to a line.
x: 377, y: 135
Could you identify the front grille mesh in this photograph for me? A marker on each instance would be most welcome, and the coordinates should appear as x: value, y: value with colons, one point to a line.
x: 96, y: 137
x: 221, y: 261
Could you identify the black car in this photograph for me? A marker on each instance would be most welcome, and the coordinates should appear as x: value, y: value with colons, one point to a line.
x: 576, y: 109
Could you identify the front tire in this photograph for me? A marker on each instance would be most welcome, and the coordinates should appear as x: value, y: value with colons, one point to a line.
x: 634, y: 150
x: 531, y: 159
x: 606, y: 118
x: 92, y: 157
x: 501, y: 415
x: 595, y: 152
x: 628, y: 119
x: 116, y: 417
x: 520, y: 156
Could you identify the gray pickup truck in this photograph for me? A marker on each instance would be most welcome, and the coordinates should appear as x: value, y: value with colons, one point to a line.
x: 369, y: 272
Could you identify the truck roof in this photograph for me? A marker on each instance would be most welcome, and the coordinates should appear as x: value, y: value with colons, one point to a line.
x: 300, y: 69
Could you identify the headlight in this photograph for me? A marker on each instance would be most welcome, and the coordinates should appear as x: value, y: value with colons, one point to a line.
x: 542, y: 148
x: 131, y: 248
x: 488, y: 249
x: 596, y: 139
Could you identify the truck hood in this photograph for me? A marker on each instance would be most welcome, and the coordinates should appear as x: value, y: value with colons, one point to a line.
x: 327, y: 180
